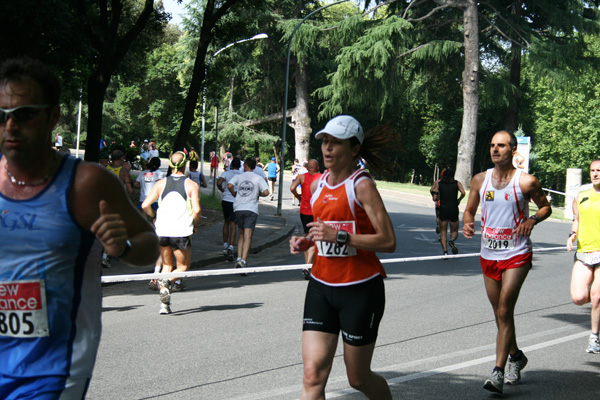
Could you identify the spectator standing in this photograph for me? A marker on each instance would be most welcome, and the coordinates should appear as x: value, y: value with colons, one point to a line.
x: 214, y: 166
x: 58, y: 141
x: 70, y: 209
x: 296, y: 167
x: 146, y: 180
x: 153, y: 151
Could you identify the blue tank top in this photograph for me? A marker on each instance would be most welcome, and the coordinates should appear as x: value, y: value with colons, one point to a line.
x: 272, y: 170
x: 50, y: 290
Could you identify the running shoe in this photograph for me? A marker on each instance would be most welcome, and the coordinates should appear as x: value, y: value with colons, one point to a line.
x: 271, y: 198
x: 153, y: 285
x: 513, y: 370
x: 593, y: 345
x: 437, y: 229
x: 453, y: 247
x: 178, y: 287
x: 229, y: 254
x: 165, y: 294
x: 224, y: 252
x: 241, y: 264
x: 495, y: 383
x: 306, y: 273
x: 164, y: 309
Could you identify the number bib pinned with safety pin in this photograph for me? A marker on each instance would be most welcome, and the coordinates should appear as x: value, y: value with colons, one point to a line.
x: 328, y: 249
x: 23, y: 310
x: 498, y: 238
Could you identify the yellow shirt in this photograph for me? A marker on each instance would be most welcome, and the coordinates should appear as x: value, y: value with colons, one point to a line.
x: 588, y: 233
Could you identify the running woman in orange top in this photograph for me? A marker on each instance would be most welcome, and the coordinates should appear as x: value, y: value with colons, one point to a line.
x: 346, y: 292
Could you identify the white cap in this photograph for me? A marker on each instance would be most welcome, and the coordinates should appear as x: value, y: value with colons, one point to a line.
x: 343, y: 127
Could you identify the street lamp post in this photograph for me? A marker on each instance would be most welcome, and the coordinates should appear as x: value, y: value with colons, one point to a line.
x: 255, y: 37
x: 285, y: 102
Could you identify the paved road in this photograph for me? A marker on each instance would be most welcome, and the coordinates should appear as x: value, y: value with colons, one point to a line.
x: 236, y: 337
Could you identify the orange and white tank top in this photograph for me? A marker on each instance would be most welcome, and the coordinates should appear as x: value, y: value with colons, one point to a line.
x: 337, y: 206
x: 502, y: 211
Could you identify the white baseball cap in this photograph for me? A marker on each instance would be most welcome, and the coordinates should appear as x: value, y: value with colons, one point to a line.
x: 343, y: 127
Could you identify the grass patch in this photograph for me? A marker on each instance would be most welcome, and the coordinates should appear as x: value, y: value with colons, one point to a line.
x: 207, y: 200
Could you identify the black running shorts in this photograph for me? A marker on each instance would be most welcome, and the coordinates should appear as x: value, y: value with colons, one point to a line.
x: 448, y: 213
x: 306, y: 219
x: 176, y: 243
x: 355, y: 310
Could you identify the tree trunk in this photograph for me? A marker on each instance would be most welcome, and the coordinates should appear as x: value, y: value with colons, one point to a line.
x: 96, y: 90
x: 211, y: 16
x: 111, y: 50
x: 470, y: 77
x: 511, y: 120
x: 301, y: 117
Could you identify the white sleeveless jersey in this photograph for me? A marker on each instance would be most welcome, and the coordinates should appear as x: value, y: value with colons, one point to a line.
x: 502, y: 211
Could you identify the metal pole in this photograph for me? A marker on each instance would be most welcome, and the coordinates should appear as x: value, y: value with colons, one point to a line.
x: 79, y: 122
x: 214, y: 178
x: 285, y: 103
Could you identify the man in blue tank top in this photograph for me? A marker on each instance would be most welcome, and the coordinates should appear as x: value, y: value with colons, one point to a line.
x: 57, y: 215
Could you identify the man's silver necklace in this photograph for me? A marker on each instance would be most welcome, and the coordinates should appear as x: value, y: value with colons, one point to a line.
x: 34, y: 183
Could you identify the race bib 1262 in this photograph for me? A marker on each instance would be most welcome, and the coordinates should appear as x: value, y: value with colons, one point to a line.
x: 23, y: 310
x: 328, y: 249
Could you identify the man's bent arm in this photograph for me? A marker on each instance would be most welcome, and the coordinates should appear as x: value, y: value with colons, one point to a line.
x: 101, y: 206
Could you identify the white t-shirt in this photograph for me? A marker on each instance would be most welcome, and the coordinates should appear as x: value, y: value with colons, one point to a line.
x: 227, y: 175
x: 153, y: 153
x: 147, y: 179
x: 195, y: 176
x: 248, y: 187
x: 260, y: 172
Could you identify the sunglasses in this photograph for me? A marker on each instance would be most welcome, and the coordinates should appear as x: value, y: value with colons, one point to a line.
x: 21, y: 113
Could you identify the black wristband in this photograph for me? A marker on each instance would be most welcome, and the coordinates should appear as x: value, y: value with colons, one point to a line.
x: 127, y: 249
x: 572, y: 233
x: 535, y: 218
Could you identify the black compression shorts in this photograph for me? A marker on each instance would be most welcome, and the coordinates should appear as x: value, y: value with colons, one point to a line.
x: 355, y: 310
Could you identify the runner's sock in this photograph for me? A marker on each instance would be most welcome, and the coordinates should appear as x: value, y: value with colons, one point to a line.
x: 517, y: 356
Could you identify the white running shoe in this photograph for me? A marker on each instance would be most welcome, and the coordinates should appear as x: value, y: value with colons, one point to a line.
x: 513, y: 370
x: 164, y: 309
x: 165, y: 293
x: 593, y: 345
x: 495, y: 383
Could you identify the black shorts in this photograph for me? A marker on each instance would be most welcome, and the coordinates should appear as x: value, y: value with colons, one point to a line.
x: 306, y: 219
x: 355, y: 310
x: 228, y: 213
x: 448, y: 213
x: 273, y: 179
x: 176, y: 243
x: 246, y: 219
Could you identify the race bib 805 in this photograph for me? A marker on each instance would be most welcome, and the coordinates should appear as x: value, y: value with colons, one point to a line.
x: 23, y: 310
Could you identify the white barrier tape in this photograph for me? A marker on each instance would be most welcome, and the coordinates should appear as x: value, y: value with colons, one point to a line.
x: 249, y: 270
